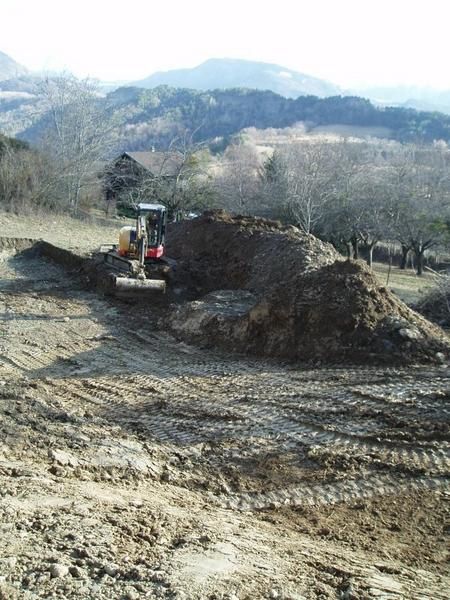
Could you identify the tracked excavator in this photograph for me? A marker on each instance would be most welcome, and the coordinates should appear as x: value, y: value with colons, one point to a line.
x: 138, y: 262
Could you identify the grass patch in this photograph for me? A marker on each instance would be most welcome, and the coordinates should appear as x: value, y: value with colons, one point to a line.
x: 404, y: 283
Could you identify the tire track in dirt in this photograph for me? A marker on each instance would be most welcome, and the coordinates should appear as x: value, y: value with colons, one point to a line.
x: 207, y: 419
x: 332, y: 493
x: 124, y: 405
x: 181, y: 396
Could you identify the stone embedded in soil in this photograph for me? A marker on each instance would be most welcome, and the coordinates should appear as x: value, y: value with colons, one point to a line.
x: 75, y: 571
x: 63, y: 458
x: 59, y: 570
x: 8, y: 563
x: 111, y: 570
x: 410, y: 334
x: 440, y: 357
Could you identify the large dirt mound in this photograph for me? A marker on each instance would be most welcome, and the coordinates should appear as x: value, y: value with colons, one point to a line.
x: 274, y: 291
x: 217, y: 251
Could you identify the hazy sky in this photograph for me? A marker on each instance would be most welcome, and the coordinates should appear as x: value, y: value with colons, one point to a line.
x: 346, y: 41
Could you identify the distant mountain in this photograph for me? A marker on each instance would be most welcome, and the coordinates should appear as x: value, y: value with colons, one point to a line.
x: 418, y: 97
x: 9, y: 68
x: 226, y: 73
x: 156, y: 116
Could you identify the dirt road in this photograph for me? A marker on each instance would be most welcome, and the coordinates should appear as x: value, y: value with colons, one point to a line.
x: 133, y: 466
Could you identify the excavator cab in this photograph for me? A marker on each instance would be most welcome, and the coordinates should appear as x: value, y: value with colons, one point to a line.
x: 146, y: 239
x: 155, y: 216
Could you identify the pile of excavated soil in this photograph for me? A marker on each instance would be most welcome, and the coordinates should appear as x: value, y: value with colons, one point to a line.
x: 218, y: 251
x: 436, y: 304
x: 274, y: 291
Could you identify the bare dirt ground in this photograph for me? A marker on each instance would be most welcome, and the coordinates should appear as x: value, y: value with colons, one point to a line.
x: 134, y: 466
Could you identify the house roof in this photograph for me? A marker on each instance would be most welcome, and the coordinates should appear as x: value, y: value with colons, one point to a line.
x: 158, y: 163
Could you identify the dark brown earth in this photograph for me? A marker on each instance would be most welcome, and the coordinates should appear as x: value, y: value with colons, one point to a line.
x: 218, y: 251
x: 265, y: 289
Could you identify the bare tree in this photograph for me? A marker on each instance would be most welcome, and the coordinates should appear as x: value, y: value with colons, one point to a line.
x: 370, y: 209
x: 77, y: 131
x: 237, y: 183
x: 311, y: 182
x: 420, y: 185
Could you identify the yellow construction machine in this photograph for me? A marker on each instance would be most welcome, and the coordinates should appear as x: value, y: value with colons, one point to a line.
x: 138, y: 260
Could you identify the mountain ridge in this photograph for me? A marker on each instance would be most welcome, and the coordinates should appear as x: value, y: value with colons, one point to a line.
x: 229, y: 73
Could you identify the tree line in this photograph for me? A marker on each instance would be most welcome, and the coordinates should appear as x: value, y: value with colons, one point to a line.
x: 353, y: 194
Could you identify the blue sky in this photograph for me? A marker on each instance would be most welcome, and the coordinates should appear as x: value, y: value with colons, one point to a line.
x: 349, y: 42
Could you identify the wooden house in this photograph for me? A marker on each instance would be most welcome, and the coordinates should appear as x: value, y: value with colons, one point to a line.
x: 130, y: 170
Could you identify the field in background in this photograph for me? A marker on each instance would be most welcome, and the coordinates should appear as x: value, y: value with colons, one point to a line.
x: 61, y: 230
x: 405, y: 284
x: 272, y: 137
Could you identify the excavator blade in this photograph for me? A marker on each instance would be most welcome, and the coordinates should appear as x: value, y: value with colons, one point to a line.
x: 127, y: 283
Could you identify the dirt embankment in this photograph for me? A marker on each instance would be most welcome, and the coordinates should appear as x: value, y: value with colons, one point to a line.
x: 87, y: 267
x: 274, y: 291
x: 218, y: 251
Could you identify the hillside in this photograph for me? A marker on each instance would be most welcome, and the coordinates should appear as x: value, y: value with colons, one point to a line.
x: 19, y: 104
x: 223, y: 73
x: 9, y: 68
x: 239, y: 94
x: 155, y: 117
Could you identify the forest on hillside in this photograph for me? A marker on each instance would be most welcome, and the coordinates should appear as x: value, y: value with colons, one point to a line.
x: 153, y: 117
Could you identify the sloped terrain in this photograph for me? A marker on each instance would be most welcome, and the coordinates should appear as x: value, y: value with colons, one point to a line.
x: 133, y: 465
x: 293, y: 297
